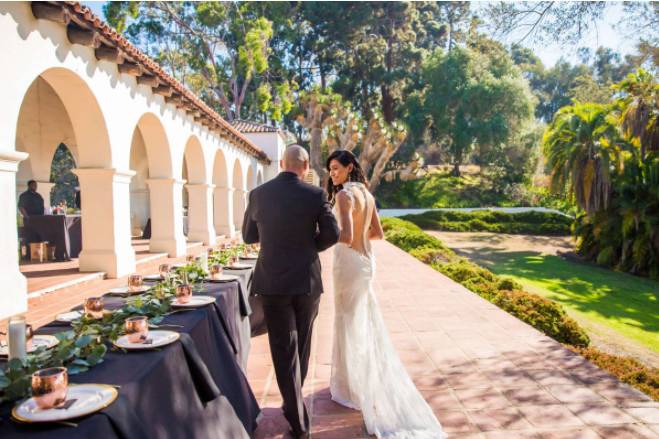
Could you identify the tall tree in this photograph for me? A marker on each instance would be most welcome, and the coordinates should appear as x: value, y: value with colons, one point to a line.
x: 218, y: 49
x: 473, y: 99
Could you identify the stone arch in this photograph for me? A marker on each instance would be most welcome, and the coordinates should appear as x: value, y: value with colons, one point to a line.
x: 198, y: 196
x: 165, y: 191
x: 238, y: 194
x: 156, y: 145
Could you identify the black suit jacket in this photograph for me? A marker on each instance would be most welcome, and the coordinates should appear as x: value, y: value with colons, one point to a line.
x: 292, y: 221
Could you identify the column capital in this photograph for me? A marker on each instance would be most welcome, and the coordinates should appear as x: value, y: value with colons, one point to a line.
x: 152, y: 182
x: 9, y: 160
x: 199, y: 186
x: 119, y: 176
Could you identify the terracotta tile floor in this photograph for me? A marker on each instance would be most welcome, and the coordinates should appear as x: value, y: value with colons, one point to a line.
x: 484, y: 373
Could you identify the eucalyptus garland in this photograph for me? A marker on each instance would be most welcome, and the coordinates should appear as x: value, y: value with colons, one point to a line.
x: 87, y: 342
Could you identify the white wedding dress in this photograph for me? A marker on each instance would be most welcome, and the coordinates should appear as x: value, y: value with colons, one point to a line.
x: 367, y: 374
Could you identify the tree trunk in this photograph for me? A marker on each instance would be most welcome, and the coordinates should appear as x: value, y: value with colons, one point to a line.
x: 315, y: 152
x: 456, y: 169
x: 387, y: 104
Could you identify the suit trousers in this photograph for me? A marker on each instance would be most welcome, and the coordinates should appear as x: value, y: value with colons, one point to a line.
x: 290, y: 319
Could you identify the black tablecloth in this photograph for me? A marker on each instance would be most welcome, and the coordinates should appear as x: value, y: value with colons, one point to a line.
x: 63, y: 231
x: 192, y: 388
x: 256, y: 317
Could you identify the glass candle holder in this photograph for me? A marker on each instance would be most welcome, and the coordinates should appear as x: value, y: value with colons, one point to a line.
x: 137, y: 329
x: 49, y: 387
x: 93, y: 307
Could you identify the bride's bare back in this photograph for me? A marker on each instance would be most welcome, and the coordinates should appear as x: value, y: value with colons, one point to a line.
x: 358, y: 218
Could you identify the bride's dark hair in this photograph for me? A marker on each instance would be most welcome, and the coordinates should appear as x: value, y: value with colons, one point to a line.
x: 346, y: 158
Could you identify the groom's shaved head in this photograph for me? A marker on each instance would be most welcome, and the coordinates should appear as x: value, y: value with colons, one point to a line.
x: 295, y: 159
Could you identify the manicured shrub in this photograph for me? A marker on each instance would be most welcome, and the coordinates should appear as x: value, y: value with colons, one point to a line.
x: 626, y: 369
x: 533, y: 222
x: 543, y: 314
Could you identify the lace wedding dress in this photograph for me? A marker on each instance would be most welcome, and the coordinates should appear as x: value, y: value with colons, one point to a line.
x: 367, y: 374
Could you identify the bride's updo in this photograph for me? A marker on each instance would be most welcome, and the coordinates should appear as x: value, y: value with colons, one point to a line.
x: 346, y: 158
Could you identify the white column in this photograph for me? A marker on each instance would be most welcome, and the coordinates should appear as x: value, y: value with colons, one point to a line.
x: 44, y: 188
x: 239, y: 203
x: 200, y: 213
x: 105, y: 207
x: 223, y: 211
x: 13, y: 294
x: 166, y: 196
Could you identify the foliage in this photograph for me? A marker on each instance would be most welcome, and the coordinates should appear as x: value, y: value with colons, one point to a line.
x: 541, y: 313
x: 333, y: 125
x: 626, y: 369
x: 65, y: 180
x: 533, y: 222
x: 220, y: 50
x: 85, y: 345
x: 472, y: 97
x: 438, y: 189
x: 605, y: 156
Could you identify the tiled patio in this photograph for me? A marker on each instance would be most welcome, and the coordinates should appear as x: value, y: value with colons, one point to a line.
x: 485, y: 373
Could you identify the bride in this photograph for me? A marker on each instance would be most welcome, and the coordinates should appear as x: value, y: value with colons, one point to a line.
x: 367, y: 374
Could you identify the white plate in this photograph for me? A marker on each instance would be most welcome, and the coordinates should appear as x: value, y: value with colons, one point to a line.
x: 89, y: 398
x: 250, y: 257
x: 238, y: 267
x: 152, y: 278
x: 68, y: 317
x: 223, y: 278
x: 47, y: 341
x: 195, y: 302
x: 160, y: 338
x: 124, y: 290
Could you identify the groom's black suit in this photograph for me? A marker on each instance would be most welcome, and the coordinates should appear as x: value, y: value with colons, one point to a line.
x: 292, y: 221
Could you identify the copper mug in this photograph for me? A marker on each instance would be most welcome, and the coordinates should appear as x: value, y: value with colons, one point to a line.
x: 135, y: 282
x: 190, y: 258
x: 183, y: 293
x: 137, y: 329
x: 29, y: 335
x: 215, y: 271
x: 163, y: 270
x: 93, y: 307
x: 49, y: 387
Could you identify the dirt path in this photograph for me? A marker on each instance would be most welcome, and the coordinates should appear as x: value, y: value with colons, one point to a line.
x: 488, y: 249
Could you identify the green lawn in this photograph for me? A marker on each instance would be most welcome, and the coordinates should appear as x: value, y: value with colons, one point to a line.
x: 625, y: 303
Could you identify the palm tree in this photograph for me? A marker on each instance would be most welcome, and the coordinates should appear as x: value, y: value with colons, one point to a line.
x: 639, y: 110
x: 582, y: 148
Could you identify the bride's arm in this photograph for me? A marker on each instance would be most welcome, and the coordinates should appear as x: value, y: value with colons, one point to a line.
x: 344, y: 205
x: 375, y: 230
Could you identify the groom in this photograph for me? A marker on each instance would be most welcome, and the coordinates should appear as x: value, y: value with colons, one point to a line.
x: 293, y: 222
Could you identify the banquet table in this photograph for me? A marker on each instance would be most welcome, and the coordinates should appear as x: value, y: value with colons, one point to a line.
x: 194, y: 387
x: 63, y: 231
x: 256, y: 316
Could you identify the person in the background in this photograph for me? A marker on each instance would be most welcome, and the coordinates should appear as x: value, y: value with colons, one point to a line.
x: 31, y: 202
x: 77, y: 199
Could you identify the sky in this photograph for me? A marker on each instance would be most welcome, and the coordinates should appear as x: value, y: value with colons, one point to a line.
x: 605, y: 36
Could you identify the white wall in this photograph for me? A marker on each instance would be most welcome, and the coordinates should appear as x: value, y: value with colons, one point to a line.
x: 95, y: 110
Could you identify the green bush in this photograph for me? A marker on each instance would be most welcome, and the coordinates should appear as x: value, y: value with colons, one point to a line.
x: 543, y: 314
x: 541, y: 223
x: 628, y: 370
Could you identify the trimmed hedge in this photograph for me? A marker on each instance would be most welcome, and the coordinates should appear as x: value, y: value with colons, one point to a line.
x: 532, y: 222
x: 628, y: 370
x: 543, y: 314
